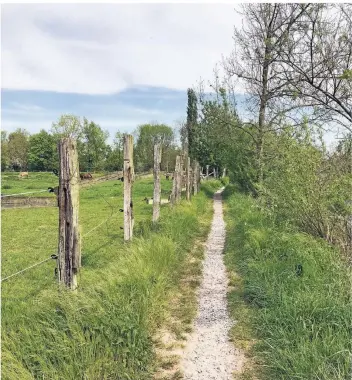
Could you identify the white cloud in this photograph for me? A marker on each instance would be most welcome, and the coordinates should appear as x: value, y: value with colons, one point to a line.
x: 17, y: 107
x: 104, y: 48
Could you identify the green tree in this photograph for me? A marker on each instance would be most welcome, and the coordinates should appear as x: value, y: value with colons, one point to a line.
x: 18, y: 144
x: 42, y: 154
x: 4, y: 151
x: 92, y: 146
x: 146, y: 136
x: 68, y: 125
x: 114, y: 156
x: 191, y: 125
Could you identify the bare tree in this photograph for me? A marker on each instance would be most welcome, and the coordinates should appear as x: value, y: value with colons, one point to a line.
x: 317, y: 62
x: 255, y: 61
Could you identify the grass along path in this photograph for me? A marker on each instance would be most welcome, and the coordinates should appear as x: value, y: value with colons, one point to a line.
x: 293, y: 324
x: 209, y: 355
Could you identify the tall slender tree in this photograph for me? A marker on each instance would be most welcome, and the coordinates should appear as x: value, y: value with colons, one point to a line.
x: 191, y: 125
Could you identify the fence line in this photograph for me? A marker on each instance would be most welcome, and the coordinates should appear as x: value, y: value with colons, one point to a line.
x: 29, y: 192
x: 52, y: 257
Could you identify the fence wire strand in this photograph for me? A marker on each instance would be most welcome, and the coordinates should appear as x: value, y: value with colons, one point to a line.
x: 112, y: 208
x: 25, y: 269
x: 29, y: 192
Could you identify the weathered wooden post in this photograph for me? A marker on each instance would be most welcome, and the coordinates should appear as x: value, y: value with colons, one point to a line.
x: 224, y: 173
x: 198, y: 177
x: 128, y: 178
x: 182, y: 162
x: 69, y: 247
x: 174, y: 186
x: 207, y: 172
x: 194, y: 179
x: 188, y: 178
x: 178, y: 175
x: 157, y: 188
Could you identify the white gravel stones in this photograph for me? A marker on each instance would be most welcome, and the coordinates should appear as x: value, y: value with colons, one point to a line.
x: 209, y: 355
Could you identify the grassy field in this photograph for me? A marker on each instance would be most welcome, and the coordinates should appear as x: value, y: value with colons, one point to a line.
x: 11, y: 184
x: 35, y: 183
x: 294, y: 322
x: 105, y: 330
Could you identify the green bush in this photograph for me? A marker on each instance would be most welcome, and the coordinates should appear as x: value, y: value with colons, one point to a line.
x: 306, y: 187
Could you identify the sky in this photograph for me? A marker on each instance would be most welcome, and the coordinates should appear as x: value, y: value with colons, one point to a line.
x: 119, y: 65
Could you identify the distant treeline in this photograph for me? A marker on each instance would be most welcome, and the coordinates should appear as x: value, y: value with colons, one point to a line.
x: 21, y: 150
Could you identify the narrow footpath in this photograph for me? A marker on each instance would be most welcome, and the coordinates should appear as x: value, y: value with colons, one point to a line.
x: 209, y: 355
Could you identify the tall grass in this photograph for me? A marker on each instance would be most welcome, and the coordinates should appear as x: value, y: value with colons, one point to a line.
x: 296, y: 292
x: 105, y: 330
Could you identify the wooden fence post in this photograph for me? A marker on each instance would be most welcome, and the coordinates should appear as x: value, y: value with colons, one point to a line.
x: 69, y: 247
x: 178, y: 175
x: 182, y: 182
x: 224, y: 173
x: 198, y: 177
x: 207, y: 172
x: 194, y: 178
x: 174, y: 186
x: 188, y: 178
x: 128, y: 178
x: 157, y: 189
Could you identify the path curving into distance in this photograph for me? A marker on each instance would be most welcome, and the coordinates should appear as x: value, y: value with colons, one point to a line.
x: 209, y: 355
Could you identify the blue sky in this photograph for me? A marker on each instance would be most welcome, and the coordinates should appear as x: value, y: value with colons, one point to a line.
x: 117, y: 64
x: 123, y: 111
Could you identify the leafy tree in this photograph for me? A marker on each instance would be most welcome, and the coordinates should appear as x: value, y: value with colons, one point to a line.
x: 92, y: 146
x: 42, y: 155
x: 114, y: 156
x: 4, y: 151
x: 146, y: 136
x: 222, y: 139
x: 191, y: 125
x: 67, y: 126
x: 18, y: 145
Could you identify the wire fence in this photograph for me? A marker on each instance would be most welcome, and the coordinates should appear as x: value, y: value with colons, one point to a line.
x: 113, y: 209
x: 113, y: 212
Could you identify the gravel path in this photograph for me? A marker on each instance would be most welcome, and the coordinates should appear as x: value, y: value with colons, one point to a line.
x: 209, y: 355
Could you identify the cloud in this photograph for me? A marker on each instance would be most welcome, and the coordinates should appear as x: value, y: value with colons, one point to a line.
x: 35, y: 110
x: 18, y: 108
x: 106, y: 48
